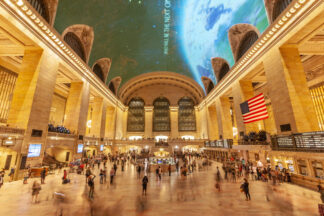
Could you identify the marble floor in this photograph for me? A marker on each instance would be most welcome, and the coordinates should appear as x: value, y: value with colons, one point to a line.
x: 175, y: 195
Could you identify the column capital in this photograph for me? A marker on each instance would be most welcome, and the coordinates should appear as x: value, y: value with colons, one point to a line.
x: 148, y: 108
x: 174, y: 108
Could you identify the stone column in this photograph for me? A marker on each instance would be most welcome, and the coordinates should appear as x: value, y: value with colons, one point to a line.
x: 96, y: 120
x: 174, y: 121
x: 32, y: 98
x: 213, y: 130
x: 110, y: 122
x: 103, y: 120
x: 225, y: 126
x: 148, y: 122
x: 201, y: 122
x: 120, y: 123
x: 288, y: 90
x: 76, y: 110
x: 243, y: 91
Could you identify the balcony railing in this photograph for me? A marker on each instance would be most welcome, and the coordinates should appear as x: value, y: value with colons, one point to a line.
x: 252, y: 142
x: 228, y: 143
x: 313, y: 142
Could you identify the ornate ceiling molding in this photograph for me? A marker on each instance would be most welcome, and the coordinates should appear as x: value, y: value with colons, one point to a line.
x: 161, y: 78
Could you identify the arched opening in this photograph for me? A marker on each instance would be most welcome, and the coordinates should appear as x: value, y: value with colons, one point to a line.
x: 74, y: 42
x: 186, y: 116
x: 98, y: 71
x: 136, y: 115
x: 210, y: 87
x: 223, y: 71
x: 279, y: 7
x: 247, y: 41
x: 112, y: 87
x: 161, y: 115
x: 40, y: 7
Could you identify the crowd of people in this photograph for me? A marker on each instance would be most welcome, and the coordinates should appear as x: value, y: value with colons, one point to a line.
x: 229, y: 171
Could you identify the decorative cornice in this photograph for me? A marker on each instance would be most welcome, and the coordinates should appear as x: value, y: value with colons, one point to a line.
x: 42, y: 30
x: 272, y: 33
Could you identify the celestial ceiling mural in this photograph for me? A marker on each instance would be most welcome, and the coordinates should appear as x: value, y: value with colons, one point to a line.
x: 142, y: 36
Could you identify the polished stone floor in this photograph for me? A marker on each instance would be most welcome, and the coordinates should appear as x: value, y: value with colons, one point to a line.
x: 175, y: 195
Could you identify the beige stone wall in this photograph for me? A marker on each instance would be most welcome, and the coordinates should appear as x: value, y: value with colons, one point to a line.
x: 213, y: 130
x: 60, y: 154
x: 57, y: 110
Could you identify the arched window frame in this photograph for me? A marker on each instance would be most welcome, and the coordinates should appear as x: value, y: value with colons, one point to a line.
x: 136, y: 115
x: 186, y: 115
x: 99, y: 72
x: 161, y: 115
x: 75, y: 43
x: 246, y: 43
x: 278, y: 7
x: 41, y: 7
x: 112, y: 88
x: 223, y: 71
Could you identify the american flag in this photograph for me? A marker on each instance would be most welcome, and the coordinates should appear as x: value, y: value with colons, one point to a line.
x: 254, y: 109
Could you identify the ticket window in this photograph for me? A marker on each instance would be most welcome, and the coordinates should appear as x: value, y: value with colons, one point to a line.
x: 302, y: 166
x: 318, y: 169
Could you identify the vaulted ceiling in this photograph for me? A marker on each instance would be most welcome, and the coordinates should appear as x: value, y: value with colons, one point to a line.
x: 142, y: 36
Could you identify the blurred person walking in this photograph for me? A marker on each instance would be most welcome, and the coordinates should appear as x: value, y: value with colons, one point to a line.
x: 35, y: 191
x: 144, y: 183
x: 245, y: 189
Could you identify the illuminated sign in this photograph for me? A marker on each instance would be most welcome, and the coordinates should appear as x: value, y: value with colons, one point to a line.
x: 34, y: 150
x: 101, y: 147
x: 166, y: 28
x: 80, y: 148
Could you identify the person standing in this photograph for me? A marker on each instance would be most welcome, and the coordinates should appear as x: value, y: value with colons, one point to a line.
x: 112, y: 174
x: 91, y: 185
x: 101, y: 176
x: 144, y: 183
x: 88, y: 173
x: 169, y: 169
x: 160, y: 172
x: 138, y: 171
x: 245, y: 188
x: 321, y: 191
x: 122, y: 165
x: 1, y: 178
x: 35, y: 191
x: 12, y: 173
x: 115, y: 168
x: 43, y: 175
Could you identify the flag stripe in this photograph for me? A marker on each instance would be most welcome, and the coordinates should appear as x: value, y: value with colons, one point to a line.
x: 255, y: 111
x: 256, y: 97
x: 258, y: 119
x: 257, y: 115
x: 256, y: 101
x: 256, y: 104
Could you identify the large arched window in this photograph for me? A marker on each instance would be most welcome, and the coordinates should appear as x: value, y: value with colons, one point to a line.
x: 40, y: 7
x: 98, y: 71
x: 186, y: 116
x: 112, y: 87
x: 223, y: 71
x: 136, y: 115
x: 247, y: 41
x: 75, y: 43
x: 279, y: 7
x: 161, y: 115
x: 210, y: 87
